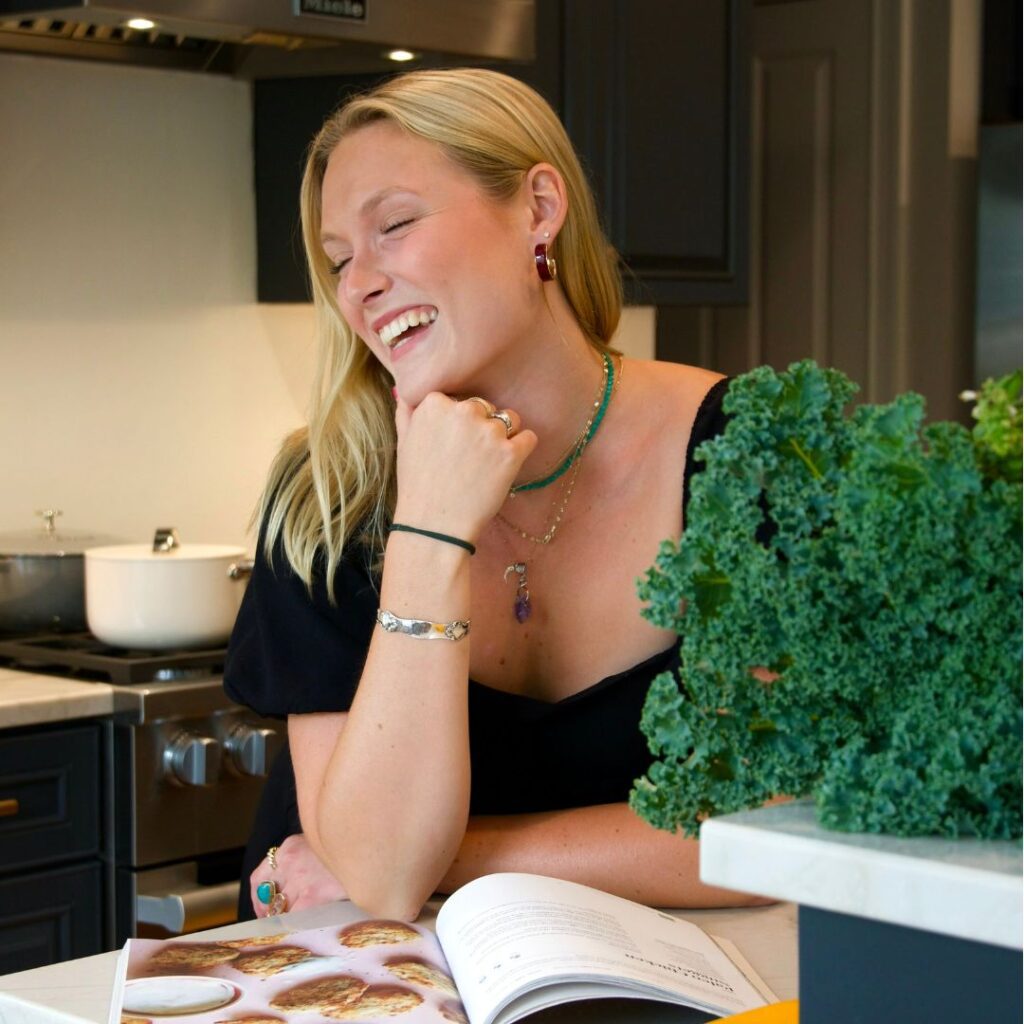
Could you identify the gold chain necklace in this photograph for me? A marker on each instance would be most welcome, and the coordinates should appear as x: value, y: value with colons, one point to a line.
x: 522, y: 606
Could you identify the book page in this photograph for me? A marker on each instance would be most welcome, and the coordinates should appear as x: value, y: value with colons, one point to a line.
x: 505, y: 934
x: 359, y: 971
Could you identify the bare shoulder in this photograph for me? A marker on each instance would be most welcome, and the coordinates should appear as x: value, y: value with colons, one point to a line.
x: 668, y: 393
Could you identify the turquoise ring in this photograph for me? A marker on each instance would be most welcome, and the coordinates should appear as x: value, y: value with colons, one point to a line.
x: 266, y: 892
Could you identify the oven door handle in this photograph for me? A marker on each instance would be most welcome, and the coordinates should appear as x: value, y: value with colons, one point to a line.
x: 191, y: 910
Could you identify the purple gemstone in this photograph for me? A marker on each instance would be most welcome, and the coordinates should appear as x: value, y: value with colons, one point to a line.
x: 522, y: 607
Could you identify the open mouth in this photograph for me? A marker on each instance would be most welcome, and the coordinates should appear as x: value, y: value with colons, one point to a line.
x: 407, y: 325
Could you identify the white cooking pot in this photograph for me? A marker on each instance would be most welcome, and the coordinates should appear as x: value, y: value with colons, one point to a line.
x: 166, y: 595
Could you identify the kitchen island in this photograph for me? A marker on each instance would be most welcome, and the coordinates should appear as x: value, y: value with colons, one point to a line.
x: 78, y: 992
x: 891, y: 929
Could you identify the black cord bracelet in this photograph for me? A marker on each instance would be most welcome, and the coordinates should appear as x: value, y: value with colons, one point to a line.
x: 435, y: 536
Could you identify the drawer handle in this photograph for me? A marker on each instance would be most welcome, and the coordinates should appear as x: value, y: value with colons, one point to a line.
x: 9, y: 808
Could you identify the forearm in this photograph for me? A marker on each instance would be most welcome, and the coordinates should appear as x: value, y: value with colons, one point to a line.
x: 394, y: 800
x: 607, y: 847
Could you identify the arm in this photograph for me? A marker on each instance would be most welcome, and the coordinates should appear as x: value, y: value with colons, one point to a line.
x: 606, y: 846
x: 384, y: 788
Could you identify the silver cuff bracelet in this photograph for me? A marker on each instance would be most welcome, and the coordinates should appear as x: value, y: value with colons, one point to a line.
x: 421, y: 628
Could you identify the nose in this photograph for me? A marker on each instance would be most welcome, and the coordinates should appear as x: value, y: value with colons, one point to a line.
x: 363, y: 279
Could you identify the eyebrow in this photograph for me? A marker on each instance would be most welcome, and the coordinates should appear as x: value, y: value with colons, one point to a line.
x: 368, y: 206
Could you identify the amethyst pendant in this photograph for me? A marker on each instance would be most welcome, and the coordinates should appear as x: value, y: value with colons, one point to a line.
x: 522, y: 601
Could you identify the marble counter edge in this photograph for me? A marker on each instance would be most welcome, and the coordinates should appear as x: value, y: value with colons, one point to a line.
x: 818, y: 869
x: 27, y: 698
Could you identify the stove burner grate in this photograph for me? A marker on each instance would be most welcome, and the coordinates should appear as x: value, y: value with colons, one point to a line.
x: 82, y: 653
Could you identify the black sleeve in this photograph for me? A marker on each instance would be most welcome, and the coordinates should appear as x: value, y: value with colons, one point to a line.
x: 292, y: 652
x: 709, y: 422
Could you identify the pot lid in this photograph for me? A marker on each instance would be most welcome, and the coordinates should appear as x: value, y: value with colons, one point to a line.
x: 46, y: 539
x: 179, y: 553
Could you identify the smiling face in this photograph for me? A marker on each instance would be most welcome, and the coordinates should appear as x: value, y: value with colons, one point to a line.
x: 434, y: 275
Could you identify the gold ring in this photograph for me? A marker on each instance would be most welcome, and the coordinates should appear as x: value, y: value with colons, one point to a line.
x: 272, y: 857
x: 489, y: 406
x: 502, y: 415
x: 278, y: 905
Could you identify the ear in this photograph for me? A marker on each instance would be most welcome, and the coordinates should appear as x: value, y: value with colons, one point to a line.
x: 545, y: 194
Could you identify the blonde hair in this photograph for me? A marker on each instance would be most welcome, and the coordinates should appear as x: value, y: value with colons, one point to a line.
x: 335, y: 479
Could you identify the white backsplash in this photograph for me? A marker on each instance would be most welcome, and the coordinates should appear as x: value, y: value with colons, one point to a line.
x: 142, y: 384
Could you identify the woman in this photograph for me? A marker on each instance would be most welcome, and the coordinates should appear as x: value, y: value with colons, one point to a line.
x: 481, y: 469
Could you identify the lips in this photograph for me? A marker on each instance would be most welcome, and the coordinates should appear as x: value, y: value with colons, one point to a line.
x: 392, y: 328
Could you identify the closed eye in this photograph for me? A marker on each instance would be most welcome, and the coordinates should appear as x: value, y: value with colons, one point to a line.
x: 337, y: 268
x: 388, y: 228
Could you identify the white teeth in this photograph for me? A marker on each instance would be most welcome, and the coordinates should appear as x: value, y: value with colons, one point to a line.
x: 402, y: 323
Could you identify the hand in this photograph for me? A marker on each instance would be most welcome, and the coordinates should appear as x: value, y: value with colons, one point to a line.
x: 455, y: 464
x: 300, y: 875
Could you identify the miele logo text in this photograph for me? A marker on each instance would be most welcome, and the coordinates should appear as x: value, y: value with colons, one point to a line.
x: 350, y: 10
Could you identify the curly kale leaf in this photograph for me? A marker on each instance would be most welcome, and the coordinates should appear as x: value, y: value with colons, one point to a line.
x: 872, y: 566
x: 997, y: 432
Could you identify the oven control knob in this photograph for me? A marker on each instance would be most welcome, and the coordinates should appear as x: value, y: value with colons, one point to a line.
x: 193, y: 760
x: 247, y: 747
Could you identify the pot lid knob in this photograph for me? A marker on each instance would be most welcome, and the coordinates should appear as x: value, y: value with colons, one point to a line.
x: 165, y: 539
x: 48, y: 515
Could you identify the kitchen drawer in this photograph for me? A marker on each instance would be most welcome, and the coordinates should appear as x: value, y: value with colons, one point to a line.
x: 51, y: 916
x: 49, y: 796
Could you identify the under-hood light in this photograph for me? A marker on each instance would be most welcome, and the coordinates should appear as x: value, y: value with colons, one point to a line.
x: 142, y: 24
x: 401, y: 55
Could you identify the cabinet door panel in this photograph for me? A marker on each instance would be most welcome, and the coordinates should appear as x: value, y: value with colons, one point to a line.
x: 50, y: 795
x: 51, y: 916
x: 656, y: 101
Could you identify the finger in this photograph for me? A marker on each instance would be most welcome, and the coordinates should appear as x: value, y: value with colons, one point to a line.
x: 481, y: 403
x: 524, y: 443
x: 403, y: 412
x: 514, y: 421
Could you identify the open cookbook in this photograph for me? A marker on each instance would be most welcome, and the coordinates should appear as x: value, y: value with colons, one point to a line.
x: 506, y: 946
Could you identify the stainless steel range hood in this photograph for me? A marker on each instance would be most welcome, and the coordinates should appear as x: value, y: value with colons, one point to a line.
x: 270, y: 38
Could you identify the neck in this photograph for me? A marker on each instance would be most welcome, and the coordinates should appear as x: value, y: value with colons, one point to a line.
x: 553, y: 388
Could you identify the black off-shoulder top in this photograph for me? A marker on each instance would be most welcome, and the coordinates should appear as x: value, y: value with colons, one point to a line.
x: 294, y: 654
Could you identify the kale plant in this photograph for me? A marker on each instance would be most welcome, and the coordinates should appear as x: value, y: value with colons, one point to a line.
x: 848, y: 593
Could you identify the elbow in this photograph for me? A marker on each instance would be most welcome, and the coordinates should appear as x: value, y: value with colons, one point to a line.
x: 389, y: 902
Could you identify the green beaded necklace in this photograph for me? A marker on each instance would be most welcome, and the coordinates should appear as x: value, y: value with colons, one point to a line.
x: 588, y: 432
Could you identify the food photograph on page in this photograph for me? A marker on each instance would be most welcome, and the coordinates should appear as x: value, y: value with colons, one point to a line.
x: 364, y: 971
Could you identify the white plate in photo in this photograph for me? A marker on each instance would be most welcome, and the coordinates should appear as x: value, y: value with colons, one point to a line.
x: 175, y: 996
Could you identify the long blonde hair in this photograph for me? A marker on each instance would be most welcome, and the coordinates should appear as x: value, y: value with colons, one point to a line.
x: 334, y: 481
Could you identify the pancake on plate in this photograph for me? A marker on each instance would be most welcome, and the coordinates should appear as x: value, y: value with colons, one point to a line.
x: 265, y: 962
x: 194, y: 956
x: 378, y: 1001
x: 255, y: 940
x: 327, y: 995
x: 376, y: 933
x: 453, y: 1012
x: 253, y: 1018
x: 420, y: 972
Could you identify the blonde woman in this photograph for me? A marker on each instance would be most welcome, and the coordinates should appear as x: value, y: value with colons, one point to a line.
x: 444, y: 606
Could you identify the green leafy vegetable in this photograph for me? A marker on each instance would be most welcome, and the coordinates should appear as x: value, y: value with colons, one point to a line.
x: 869, y: 568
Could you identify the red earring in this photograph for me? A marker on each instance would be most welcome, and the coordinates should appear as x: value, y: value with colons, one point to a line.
x: 547, y: 268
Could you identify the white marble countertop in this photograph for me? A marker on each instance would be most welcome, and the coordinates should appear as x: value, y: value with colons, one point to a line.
x: 968, y: 888
x: 27, y: 698
x: 79, y: 991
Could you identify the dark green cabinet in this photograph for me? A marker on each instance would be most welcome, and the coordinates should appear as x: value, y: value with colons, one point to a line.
x: 52, y: 905
x: 655, y: 96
